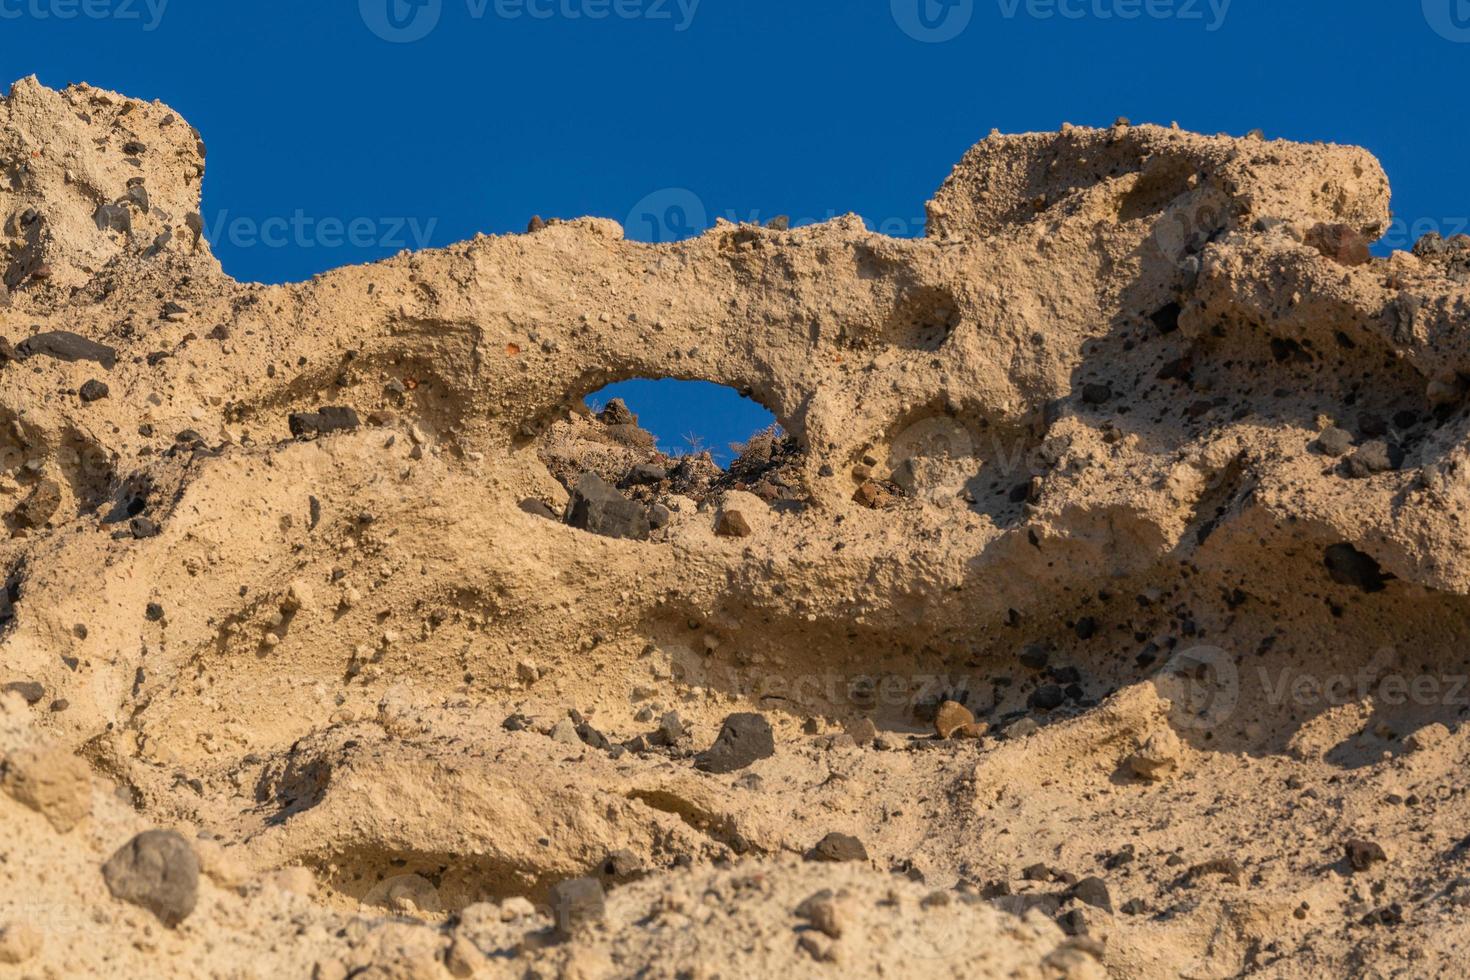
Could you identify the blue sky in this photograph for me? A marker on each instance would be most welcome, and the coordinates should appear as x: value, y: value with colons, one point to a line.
x: 426, y: 121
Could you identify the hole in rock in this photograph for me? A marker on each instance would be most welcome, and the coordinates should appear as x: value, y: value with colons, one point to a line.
x: 687, y: 417
x: 658, y: 442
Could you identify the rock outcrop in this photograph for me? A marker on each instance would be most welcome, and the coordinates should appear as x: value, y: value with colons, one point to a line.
x: 1139, y: 459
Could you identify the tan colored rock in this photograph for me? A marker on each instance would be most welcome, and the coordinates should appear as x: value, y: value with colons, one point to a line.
x: 1428, y: 738
x: 822, y: 911
x: 872, y: 495
x: 732, y: 524
x: 51, y: 781
x: 464, y: 958
x: 950, y: 718
x: 296, y: 880
x: 974, y: 730
x: 20, y: 942
x: 222, y: 867
x: 862, y: 731
x: 298, y: 596
x: 1158, y: 757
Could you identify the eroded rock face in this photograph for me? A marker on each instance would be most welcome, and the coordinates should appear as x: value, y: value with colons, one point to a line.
x: 1137, y: 415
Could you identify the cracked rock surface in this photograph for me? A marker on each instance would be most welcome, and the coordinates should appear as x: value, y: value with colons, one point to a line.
x: 1139, y: 459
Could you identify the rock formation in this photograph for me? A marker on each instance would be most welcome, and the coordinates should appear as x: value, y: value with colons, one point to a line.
x: 1139, y: 458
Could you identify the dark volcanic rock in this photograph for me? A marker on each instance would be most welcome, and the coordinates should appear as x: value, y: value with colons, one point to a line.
x: 617, y: 413
x: 67, y: 346
x: 1340, y: 243
x: 115, y: 217
x: 1225, y: 867
x: 744, y: 739
x: 596, y: 506
x: 1047, y: 697
x: 1035, y: 656
x: 143, y: 527
x: 670, y: 731
x: 158, y: 871
x: 39, y: 506
x: 1167, y: 318
x: 537, y: 508
x: 1094, y: 892
x: 1349, y: 566
x: 836, y: 848
x: 1363, y: 854
x: 1073, y: 922
x: 1370, y: 458
x: 335, y: 418
x: 648, y: 473
x: 31, y: 691
x: 1334, y: 441
x: 621, y: 867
